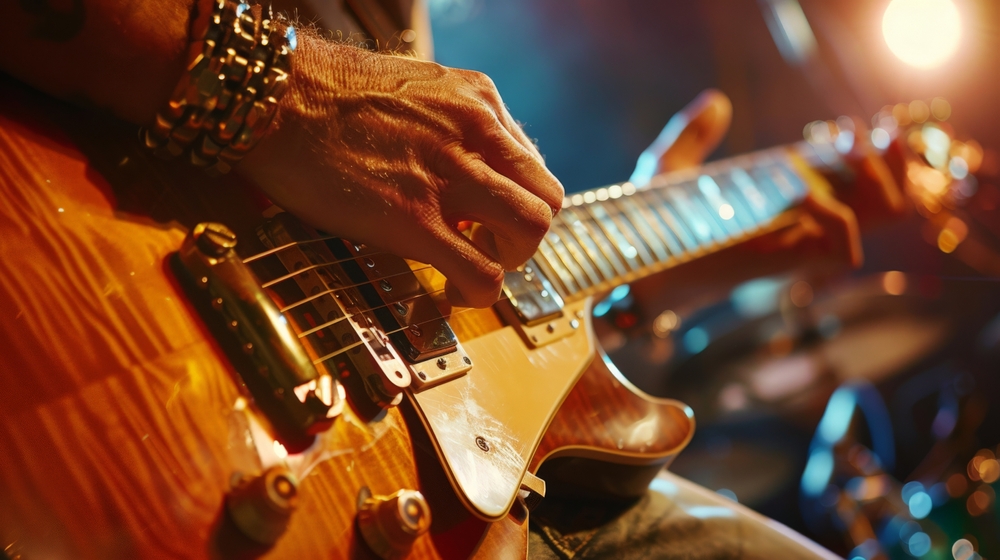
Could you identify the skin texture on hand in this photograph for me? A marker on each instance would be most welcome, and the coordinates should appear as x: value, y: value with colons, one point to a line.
x: 394, y: 152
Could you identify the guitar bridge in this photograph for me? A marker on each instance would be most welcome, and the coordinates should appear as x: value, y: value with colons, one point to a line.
x: 298, y: 400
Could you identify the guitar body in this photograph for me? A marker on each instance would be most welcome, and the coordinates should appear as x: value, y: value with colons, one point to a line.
x: 121, y: 421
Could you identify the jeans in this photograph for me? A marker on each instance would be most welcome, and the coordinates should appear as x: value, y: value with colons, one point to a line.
x: 675, y: 520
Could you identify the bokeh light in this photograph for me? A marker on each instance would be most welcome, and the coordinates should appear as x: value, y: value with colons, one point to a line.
x: 922, y: 33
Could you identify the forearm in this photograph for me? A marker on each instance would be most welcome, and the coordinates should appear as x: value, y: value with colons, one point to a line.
x: 122, y: 56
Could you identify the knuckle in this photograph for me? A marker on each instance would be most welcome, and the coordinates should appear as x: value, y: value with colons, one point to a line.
x: 479, y: 80
x: 536, y: 223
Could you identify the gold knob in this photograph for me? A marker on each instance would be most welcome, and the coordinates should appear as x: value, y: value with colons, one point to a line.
x: 391, y: 524
x: 262, y: 506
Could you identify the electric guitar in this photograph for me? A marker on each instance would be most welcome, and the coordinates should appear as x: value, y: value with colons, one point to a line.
x: 187, y: 372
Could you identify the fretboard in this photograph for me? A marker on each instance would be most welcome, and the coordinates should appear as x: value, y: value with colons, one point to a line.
x: 617, y: 234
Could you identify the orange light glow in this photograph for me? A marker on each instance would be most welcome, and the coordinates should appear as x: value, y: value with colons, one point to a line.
x: 957, y: 485
x: 989, y: 471
x: 894, y: 283
x: 922, y: 33
x: 954, y: 233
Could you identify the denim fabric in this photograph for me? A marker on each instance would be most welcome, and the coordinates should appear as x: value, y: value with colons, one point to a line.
x: 675, y: 520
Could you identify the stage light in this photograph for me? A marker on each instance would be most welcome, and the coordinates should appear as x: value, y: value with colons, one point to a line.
x: 922, y: 33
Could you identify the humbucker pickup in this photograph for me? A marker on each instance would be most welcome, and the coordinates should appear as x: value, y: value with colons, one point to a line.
x: 381, y: 298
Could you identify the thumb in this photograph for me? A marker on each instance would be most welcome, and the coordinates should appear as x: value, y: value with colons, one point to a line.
x: 689, y: 136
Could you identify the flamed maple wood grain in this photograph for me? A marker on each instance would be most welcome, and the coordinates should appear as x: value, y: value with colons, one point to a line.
x: 607, y: 419
x: 118, y: 432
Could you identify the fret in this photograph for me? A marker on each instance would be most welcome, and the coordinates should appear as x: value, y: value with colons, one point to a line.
x: 656, y: 223
x: 578, y: 254
x: 577, y: 275
x: 604, y: 235
x: 605, y: 245
x: 631, y: 233
x: 755, y: 199
x: 742, y: 214
x: 643, y: 225
x: 544, y: 267
x: 720, y: 232
x: 695, y: 215
x: 717, y: 205
x: 663, y: 210
x: 776, y: 179
x: 765, y: 182
x: 795, y: 183
x: 625, y: 249
x: 561, y: 276
x: 605, y: 259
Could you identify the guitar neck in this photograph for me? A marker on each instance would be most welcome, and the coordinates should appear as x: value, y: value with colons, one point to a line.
x: 618, y: 234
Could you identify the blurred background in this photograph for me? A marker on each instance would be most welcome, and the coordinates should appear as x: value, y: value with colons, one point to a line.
x: 864, y: 410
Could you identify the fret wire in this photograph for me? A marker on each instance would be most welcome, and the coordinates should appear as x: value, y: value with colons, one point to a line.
x: 564, y: 258
x: 776, y: 199
x: 554, y: 262
x: 756, y: 200
x: 550, y: 273
x: 799, y: 187
x: 745, y: 217
x: 618, y: 241
x: 720, y: 232
x: 711, y: 197
x: 669, y: 219
x: 578, y: 253
x: 691, y: 216
x: 583, y: 236
x: 780, y: 183
x: 644, y: 227
x: 631, y: 232
x: 657, y: 225
x: 664, y: 210
x: 601, y: 241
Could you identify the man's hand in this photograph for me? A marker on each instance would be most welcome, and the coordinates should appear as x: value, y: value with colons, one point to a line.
x: 826, y: 236
x: 394, y: 152
x: 383, y: 150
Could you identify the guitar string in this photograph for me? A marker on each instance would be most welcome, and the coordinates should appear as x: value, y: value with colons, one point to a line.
x: 616, y: 212
x: 354, y: 345
x: 357, y: 311
x: 334, y: 291
x: 273, y: 250
x: 760, y: 161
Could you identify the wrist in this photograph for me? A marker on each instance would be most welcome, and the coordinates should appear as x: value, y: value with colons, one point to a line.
x: 227, y: 98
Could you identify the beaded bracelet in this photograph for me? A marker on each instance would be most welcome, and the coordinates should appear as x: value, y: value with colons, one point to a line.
x: 228, y: 96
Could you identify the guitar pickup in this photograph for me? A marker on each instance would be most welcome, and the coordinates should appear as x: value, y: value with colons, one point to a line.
x: 407, y: 313
x: 534, y: 308
x: 531, y: 295
x: 358, y: 305
x: 327, y: 307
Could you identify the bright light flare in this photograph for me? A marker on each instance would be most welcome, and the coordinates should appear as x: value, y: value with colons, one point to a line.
x: 922, y: 33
